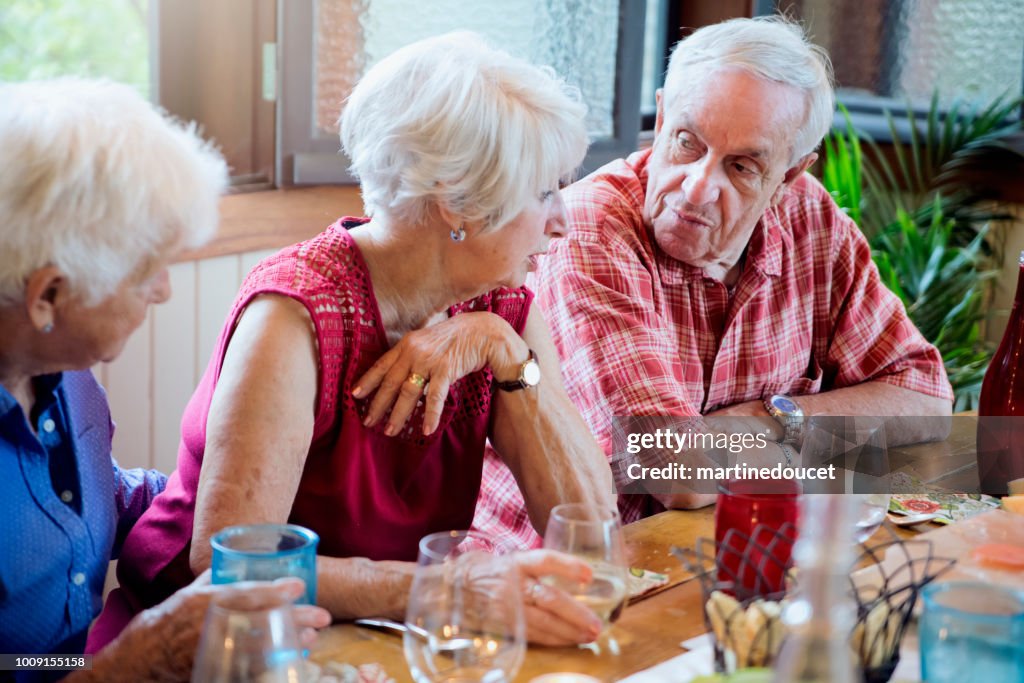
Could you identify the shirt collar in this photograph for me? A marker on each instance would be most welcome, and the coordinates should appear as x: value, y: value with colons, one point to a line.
x: 764, y: 251
x: 45, y: 387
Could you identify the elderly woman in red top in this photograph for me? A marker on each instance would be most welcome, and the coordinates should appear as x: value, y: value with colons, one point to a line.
x: 360, y: 374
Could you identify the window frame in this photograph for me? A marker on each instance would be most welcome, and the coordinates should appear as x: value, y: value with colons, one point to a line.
x: 671, y: 20
x: 868, y: 112
x: 198, y: 74
x: 308, y: 156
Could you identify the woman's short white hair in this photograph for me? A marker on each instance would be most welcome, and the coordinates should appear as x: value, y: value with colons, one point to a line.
x: 774, y: 48
x: 451, y: 122
x: 97, y: 183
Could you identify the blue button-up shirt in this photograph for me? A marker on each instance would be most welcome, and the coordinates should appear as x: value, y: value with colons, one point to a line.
x: 66, y: 507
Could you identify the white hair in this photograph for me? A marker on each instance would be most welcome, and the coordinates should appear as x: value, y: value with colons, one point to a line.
x: 773, y: 48
x: 451, y: 122
x: 97, y: 183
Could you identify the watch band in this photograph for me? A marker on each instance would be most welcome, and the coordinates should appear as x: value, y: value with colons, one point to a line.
x: 791, y: 417
x: 529, y: 375
x: 789, y: 452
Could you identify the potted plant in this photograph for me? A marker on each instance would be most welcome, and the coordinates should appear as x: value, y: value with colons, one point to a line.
x: 932, y: 228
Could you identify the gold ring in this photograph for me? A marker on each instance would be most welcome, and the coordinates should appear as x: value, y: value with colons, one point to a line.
x: 417, y: 379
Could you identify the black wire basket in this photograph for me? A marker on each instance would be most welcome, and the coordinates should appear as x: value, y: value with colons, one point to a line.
x: 743, y: 599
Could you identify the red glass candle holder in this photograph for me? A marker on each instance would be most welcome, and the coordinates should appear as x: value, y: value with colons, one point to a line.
x: 762, y: 517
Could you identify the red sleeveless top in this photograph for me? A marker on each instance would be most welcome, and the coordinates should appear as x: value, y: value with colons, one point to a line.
x: 364, y: 493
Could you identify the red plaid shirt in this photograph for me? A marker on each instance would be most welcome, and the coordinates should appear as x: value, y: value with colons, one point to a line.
x: 640, y: 333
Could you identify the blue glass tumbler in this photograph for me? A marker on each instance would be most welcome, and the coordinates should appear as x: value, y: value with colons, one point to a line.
x: 971, y: 632
x: 264, y: 552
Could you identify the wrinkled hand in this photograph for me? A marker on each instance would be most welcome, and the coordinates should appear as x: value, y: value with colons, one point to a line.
x: 441, y: 355
x: 164, y: 638
x: 552, y: 616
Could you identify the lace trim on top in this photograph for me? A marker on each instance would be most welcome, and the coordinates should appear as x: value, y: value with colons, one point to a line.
x: 328, y: 275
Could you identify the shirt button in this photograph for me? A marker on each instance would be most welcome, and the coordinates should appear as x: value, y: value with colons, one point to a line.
x: 709, y: 284
x: 67, y: 496
x: 78, y: 579
x: 49, y: 425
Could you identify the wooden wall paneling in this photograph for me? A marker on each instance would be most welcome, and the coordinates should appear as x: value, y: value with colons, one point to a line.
x: 174, y: 361
x: 217, y: 281
x: 277, y: 218
x: 130, y: 392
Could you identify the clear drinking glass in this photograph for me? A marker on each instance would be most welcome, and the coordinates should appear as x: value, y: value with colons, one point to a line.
x: 871, y: 511
x: 464, y: 620
x: 857, y: 447
x: 972, y: 632
x: 246, y: 639
x: 594, y: 535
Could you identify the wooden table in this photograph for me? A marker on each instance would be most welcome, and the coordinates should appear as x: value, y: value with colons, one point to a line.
x: 951, y: 464
x: 650, y: 630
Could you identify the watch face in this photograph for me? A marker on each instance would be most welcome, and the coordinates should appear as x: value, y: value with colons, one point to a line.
x: 783, y: 404
x: 531, y: 373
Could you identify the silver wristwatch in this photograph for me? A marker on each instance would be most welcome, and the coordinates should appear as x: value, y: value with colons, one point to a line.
x: 788, y: 414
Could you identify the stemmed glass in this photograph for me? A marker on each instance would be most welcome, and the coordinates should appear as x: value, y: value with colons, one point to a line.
x: 464, y: 620
x: 593, y: 534
x: 857, y: 446
x: 245, y: 638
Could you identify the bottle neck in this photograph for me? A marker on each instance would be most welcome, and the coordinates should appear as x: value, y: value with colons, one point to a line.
x: 824, y: 555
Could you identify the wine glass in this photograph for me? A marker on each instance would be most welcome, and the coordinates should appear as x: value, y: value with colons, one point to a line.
x: 247, y: 638
x: 857, y: 447
x: 593, y: 534
x: 871, y: 511
x: 464, y: 620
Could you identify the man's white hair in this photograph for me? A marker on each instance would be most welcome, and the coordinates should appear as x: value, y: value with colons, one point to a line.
x: 97, y: 183
x: 450, y: 122
x: 773, y: 48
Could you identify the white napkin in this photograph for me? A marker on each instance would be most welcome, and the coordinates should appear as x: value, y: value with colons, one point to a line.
x: 699, y: 662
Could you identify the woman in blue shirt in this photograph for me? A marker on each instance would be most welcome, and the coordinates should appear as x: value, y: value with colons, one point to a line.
x: 99, y: 191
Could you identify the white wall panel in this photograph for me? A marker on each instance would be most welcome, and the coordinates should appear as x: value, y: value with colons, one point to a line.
x: 250, y: 259
x: 217, y: 283
x: 174, y: 360
x: 129, y: 388
x: 150, y: 383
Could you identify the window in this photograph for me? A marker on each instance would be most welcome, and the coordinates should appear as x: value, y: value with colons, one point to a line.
x: 199, y: 60
x: 660, y: 35
x: 265, y: 78
x: 90, y: 38
x: 887, y: 53
x: 326, y: 45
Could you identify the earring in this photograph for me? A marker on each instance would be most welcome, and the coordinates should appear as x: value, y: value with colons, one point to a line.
x: 47, y: 328
x: 458, y: 234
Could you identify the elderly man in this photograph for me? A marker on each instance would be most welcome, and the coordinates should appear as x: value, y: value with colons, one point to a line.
x: 710, y: 275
